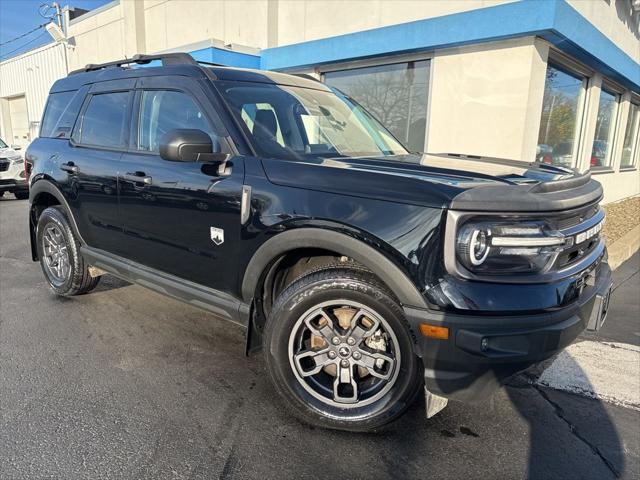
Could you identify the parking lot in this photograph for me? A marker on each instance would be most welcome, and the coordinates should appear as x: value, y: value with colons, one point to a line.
x: 125, y: 383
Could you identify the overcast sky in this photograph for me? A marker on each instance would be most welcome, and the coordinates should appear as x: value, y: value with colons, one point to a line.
x: 20, y: 16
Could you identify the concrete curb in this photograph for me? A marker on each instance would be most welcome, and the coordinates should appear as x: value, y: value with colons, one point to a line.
x: 624, y: 247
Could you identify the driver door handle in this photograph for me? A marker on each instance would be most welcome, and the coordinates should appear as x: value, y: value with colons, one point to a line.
x: 138, y: 177
x: 69, y: 168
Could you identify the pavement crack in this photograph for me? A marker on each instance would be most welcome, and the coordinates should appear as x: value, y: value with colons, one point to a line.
x: 625, y: 280
x: 573, y: 429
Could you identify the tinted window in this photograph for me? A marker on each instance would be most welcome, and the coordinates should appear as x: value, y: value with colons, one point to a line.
x: 164, y: 110
x: 56, y: 105
x: 558, y: 125
x: 605, y: 122
x: 395, y: 94
x: 105, y: 120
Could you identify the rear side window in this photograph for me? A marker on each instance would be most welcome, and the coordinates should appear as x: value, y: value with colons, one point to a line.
x: 164, y: 110
x: 56, y: 106
x: 104, y: 122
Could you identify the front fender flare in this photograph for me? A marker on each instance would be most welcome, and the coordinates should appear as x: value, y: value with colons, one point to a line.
x: 399, y: 283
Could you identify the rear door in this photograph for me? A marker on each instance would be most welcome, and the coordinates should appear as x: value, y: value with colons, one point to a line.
x: 182, y: 218
x: 99, y: 138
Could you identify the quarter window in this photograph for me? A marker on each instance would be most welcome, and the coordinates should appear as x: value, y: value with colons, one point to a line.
x: 630, y: 143
x: 104, y: 122
x: 56, y: 105
x: 605, y: 123
x: 165, y: 110
x: 559, y: 122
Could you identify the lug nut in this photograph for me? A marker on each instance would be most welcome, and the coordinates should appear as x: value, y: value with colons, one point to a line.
x: 335, y: 340
x: 332, y: 355
x: 344, y: 363
x: 351, y: 341
x: 357, y: 355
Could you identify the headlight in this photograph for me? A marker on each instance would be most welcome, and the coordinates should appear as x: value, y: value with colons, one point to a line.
x: 494, y: 248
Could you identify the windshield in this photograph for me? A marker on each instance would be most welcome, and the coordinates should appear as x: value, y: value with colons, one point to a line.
x: 2, y: 144
x: 292, y: 122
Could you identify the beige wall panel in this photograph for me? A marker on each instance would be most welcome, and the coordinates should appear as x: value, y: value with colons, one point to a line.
x: 616, y: 19
x: 245, y: 22
x: 155, y: 21
x: 618, y: 186
x: 192, y: 21
x: 480, y: 100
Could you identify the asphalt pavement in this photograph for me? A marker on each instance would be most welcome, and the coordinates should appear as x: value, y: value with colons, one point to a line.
x: 125, y: 383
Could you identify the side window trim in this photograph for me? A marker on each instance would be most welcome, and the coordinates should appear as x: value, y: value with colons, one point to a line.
x: 74, y: 138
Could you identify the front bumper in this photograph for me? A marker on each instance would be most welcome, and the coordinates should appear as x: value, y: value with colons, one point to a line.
x: 482, y: 351
x: 12, y: 185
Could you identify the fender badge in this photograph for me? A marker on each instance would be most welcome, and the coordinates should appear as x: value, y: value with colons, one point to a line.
x: 217, y: 235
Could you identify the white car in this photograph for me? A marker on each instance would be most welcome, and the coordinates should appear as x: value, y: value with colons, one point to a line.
x: 12, y: 174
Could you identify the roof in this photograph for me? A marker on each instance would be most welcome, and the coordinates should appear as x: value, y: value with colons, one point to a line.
x: 177, y: 64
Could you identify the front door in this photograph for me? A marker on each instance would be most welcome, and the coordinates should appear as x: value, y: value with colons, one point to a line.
x: 182, y: 218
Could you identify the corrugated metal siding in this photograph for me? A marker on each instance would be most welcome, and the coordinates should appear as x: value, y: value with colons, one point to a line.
x: 32, y: 75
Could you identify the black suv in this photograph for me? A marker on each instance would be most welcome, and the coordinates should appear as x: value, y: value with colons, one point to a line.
x: 271, y: 200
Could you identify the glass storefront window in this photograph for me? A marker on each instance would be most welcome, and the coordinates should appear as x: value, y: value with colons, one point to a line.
x: 395, y: 94
x: 559, y: 123
x: 605, y: 123
x: 630, y: 143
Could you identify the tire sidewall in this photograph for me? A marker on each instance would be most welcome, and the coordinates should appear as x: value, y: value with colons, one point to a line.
x: 281, y: 322
x: 54, y: 216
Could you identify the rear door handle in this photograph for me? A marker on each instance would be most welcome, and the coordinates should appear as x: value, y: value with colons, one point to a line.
x: 138, y: 177
x: 69, y: 168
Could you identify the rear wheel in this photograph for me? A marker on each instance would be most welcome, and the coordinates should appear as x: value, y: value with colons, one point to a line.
x: 59, y: 254
x: 339, y: 351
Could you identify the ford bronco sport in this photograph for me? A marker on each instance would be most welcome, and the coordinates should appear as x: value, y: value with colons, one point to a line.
x: 363, y: 271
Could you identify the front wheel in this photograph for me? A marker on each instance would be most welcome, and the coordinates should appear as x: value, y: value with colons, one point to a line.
x: 339, y: 351
x: 21, y: 195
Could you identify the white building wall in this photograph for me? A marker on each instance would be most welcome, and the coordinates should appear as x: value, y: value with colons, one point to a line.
x: 30, y: 74
x: 616, y: 19
x: 478, y: 107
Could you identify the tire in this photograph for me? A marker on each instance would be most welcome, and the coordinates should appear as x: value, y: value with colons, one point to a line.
x: 67, y: 273
x: 315, y: 390
x: 21, y: 195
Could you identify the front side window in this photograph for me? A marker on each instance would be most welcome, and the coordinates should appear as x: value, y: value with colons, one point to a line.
x: 290, y: 122
x: 630, y: 143
x: 395, y: 94
x: 605, y: 123
x: 559, y: 122
x: 56, y: 105
x: 164, y: 110
x: 104, y: 122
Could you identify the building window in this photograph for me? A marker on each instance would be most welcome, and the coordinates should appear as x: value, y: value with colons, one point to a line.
x: 605, y: 127
x: 563, y: 97
x: 631, y: 134
x: 395, y: 94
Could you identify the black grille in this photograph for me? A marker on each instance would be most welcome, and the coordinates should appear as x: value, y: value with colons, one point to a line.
x: 575, y: 217
x: 4, y: 166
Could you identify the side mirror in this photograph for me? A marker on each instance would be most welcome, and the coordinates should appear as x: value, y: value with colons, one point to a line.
x: 185, y: 145
x: 16, y: 147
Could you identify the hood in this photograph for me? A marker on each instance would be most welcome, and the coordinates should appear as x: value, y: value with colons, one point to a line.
x: 9, y: 152
x: 442, y: 181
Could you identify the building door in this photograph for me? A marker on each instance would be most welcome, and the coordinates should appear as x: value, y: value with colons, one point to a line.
x: 19, y: 122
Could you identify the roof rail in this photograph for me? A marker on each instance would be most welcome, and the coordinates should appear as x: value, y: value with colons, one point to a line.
x: 165, y: 58
x: 306, y: 75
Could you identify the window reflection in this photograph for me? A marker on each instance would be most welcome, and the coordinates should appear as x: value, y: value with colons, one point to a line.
x: 600, y: 153
x: 630, y: 136
x: 395, y: 94
x: 558, y: 125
